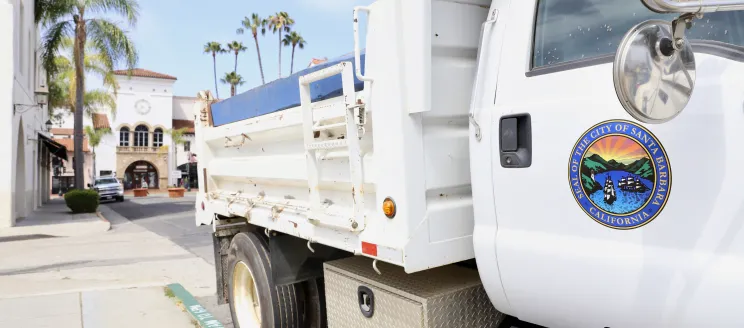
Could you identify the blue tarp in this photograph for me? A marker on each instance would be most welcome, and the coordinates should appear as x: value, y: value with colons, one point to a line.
x: 281, y: 94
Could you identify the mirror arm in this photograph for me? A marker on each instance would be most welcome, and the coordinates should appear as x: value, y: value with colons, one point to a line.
x: 680, y: 25
x: 693, y: 6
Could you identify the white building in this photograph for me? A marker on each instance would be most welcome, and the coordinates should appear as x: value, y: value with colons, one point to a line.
x: 24, y: 184
x: 140, y: 147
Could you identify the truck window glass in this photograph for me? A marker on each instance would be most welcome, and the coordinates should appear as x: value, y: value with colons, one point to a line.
x: 574, y: 30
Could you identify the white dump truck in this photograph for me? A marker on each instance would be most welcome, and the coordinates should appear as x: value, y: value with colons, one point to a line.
x: 484, y: 161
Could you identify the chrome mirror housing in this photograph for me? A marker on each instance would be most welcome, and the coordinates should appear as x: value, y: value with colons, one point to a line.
x: 653, y: 80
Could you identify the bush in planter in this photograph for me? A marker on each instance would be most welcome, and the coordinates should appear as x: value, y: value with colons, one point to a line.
x: 82, y: 201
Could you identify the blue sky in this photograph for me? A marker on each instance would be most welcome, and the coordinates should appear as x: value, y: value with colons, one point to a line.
x: 170, y: 37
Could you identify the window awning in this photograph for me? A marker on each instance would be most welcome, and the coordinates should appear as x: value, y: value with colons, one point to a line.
x: 55, y: 148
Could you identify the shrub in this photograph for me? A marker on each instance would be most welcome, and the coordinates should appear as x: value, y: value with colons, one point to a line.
x: 82, y: 201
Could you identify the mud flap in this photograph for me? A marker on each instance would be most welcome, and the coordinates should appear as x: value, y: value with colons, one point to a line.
x: 293, y: 262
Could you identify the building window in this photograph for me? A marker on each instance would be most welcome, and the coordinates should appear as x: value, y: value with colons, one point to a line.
x: 140, y: 136
x: 105, y: 173
x: 569, y: 31
x: 124, y: 137
x: 157, y: 137
x: 187, y: 146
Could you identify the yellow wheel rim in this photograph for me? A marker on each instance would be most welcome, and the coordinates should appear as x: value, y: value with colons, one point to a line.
x: 245, y: 297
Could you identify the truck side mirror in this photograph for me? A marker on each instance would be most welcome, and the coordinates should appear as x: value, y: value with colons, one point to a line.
x: 654, y: 76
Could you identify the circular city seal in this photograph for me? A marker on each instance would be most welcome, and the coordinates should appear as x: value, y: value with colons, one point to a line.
x: 620, y: 174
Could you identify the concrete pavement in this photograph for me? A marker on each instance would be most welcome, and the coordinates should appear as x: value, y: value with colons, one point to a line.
x: 125, y: 308
x: 172, y: 218
x: 128, y: 261
x: 55, y: 220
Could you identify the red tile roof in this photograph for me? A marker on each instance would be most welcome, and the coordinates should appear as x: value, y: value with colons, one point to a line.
x: 62, y: 131
x: 100, y: 121
x: 188, y: 124
x: 141, y: 72
x: 69, y: 143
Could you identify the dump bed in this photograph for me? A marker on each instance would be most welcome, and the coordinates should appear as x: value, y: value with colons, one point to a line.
x: 300, y: 160
x: 281, y: 94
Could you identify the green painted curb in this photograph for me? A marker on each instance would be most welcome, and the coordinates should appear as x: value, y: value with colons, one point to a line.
x: 198, y: 312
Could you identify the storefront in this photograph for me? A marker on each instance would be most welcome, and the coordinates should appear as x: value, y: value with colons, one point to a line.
x: 139, y: 173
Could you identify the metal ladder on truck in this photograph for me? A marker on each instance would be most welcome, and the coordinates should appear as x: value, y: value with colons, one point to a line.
x: 355, y: 117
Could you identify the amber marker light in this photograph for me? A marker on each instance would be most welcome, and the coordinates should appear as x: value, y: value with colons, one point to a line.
x: 388, y: 207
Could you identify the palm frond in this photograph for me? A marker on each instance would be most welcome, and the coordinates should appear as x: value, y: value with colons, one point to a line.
x: 95, y: 135
x: 96, y: 100
x: 51, y: 42
x: 127, y: 8
x: 47, y: 12
x: 177, y: 135
x: 112, y: 43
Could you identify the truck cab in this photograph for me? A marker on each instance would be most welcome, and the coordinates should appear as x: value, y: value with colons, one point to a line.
x: 586, y: 216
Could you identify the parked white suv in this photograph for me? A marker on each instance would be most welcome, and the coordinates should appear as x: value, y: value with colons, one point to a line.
x: 109, y: 188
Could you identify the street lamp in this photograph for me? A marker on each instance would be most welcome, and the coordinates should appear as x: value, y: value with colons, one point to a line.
x: 48, y: 125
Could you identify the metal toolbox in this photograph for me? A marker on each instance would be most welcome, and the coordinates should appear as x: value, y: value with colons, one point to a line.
x: 447, y: 297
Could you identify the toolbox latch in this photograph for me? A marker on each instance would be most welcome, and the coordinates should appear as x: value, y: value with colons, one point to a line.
x: 366, y: 301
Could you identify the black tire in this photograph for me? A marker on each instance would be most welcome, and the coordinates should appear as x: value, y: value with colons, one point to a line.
x: 121, y: 199
x: 281, y: 306
x: 315, y: 314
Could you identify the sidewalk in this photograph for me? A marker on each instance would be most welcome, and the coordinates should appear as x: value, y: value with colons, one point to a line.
x: 64, y: 270
x: 54, y: 219
x: 125, y: 308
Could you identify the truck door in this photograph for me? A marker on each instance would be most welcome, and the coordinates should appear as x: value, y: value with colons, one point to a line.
x: 604, y: 221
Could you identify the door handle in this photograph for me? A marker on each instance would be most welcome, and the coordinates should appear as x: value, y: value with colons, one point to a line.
x: 515, y: 141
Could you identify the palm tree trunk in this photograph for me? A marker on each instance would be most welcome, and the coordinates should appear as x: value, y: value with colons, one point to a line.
x: 214, y: 64
x: 236, y: 63
x: 232, y: 89
x: 175, y: 159
x: 291, y: 66
x: 260, y: 65
x: 94, y: 162
x: 79, y: 54
x: 280, y: 53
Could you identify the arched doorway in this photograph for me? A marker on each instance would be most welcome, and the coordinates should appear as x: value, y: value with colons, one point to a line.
x: 138, y: 172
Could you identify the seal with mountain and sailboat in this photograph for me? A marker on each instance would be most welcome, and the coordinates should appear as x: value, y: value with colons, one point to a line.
x: 619, y: 174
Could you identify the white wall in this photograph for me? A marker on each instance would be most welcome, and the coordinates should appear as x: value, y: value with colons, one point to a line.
x: 164, y: 108
x: 20, y: 192
x: 183, y: 155
x: 183, y: 108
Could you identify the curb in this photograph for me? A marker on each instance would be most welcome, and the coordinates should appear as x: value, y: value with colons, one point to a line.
x: 192, y: 306
x: 104, y: 219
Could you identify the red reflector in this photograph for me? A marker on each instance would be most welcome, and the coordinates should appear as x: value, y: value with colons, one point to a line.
x: 202, y: 206
x: 369, y: 249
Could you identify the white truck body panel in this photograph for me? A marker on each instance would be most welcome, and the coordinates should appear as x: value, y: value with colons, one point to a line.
x: 414, y: 147
x: 557, y: 266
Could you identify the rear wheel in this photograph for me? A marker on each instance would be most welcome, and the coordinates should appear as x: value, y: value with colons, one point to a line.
x: 254, y: 300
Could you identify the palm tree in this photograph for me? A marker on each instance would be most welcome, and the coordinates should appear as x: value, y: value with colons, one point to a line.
x: 94, y: 139
x: 236, y: 47
x: 214, y: 48
x: 294, y: 39
x: 234, y: 80
x: 69, y: 18
x: 254, y: 24
x: 177, y: 139
x: 62, y: 86
x: 280, y: 22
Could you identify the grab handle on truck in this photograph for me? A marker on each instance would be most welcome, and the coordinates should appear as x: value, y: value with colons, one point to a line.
x: 357, y: 54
